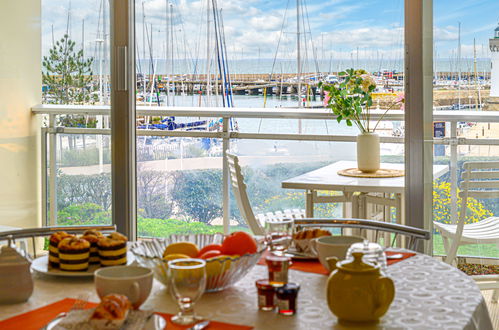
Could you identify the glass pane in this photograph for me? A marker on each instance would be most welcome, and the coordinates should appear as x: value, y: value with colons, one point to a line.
x: 463, y: 82
x: 76, y: 72
x: 197, y: 54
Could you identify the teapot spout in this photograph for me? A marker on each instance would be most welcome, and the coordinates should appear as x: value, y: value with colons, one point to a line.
x: 331, y: 263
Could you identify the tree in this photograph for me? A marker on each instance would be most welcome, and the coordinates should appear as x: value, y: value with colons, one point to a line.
x: 67, y: 74
x: 442, y: 202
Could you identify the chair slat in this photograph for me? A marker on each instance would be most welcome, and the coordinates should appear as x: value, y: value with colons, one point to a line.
x: 480, y: 165
x: 490, y: 184
x: 480, y: 174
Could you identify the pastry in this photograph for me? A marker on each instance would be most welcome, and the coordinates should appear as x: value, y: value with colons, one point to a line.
x: 93, y: 239
x: 93, y: 232
x: 311, y: 233
x: 111, y: 313
x: 112, y: 250
x: 54, y: 240
x: 74, y: 254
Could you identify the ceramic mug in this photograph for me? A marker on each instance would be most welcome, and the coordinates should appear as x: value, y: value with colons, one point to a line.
x: 332, y: 246
x: 132, y: 281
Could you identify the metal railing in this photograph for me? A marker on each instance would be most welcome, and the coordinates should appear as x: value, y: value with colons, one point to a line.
x: 227, y: 134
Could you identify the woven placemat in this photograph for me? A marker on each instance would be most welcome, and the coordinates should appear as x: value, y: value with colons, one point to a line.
x: 381, y: 173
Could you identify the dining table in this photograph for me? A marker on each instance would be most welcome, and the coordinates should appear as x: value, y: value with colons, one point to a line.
x: 327, y: 178
x: 429, y: 295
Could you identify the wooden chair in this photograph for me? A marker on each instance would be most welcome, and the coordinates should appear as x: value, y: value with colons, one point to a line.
x: 481, y: 181
x: 243, y: 203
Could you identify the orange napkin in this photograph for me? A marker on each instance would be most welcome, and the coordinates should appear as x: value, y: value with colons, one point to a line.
x: 308, y: 266
x: 314, y: 266
x: 40, y: 317
x: 406, y: 255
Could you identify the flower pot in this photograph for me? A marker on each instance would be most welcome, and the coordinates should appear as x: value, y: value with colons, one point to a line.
x: 368, y: 152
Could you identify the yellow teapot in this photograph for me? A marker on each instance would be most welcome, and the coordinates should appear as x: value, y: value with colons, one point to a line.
x: 357, y: 292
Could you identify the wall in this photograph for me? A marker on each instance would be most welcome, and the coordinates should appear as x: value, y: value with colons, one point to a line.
x: 20, y: 88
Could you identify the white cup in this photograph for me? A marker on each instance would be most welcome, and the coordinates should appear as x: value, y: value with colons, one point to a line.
x: 131, y: 281
x: 332, y: 246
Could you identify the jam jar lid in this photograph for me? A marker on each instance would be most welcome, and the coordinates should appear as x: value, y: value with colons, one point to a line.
x: 264, y: 284
x: 289, y: 288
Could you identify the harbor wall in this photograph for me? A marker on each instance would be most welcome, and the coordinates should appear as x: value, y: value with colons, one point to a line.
x: 20, y: 89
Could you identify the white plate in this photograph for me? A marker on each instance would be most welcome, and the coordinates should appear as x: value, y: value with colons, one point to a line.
x: 294, y: 254
x: 156, y: 322
x: 41, y: 265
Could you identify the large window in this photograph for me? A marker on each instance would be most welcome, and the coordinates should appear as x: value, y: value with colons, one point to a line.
x: 462, y: 82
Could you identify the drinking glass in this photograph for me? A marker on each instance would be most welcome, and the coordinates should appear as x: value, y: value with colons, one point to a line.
x: 279, y: 235
x: 188, y: 282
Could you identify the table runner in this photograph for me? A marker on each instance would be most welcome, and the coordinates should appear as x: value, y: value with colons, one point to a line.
x: 40, y: 317
x: 314, y: 266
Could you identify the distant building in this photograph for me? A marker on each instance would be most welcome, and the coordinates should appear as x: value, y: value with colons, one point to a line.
x: 494, y: 48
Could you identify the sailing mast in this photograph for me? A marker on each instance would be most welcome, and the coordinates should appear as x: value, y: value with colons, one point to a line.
x: 208, y: 55
x: 459, y: 67
x: 298, y: 54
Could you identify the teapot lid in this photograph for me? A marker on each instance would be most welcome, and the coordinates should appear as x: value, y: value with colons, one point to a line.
x: 9, y: 255
x: 357, y: 264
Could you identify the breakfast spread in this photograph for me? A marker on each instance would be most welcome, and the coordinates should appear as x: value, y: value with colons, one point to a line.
x: 70, y: 253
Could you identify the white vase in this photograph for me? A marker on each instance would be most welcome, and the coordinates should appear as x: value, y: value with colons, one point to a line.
x: 368, y: 152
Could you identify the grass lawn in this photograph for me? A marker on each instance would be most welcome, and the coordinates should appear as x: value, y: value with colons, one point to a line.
x: 479, y: 250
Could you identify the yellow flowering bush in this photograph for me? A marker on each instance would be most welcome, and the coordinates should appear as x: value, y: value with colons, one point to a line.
x: 442, y: 202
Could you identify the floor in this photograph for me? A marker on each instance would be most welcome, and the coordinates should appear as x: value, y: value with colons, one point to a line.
x: 493, y: 308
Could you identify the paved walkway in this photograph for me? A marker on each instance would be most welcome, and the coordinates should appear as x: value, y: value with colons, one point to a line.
x: 201, y: 163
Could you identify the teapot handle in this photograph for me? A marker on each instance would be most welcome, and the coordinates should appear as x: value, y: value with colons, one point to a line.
x: 386, y: 293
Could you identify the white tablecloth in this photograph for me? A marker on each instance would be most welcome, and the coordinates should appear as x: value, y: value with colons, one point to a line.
x: 429, y: 295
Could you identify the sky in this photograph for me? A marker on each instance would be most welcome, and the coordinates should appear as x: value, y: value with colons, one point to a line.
x: 370, y: 29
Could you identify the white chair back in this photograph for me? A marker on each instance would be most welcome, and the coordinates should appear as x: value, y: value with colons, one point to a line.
x: 480, y: 181
x: 239, y: 189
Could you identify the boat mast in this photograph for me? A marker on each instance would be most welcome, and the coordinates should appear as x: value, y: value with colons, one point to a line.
x: 459, y: 67
x: 298, y: 52
x: 208, y: 53
x: 474, y: 69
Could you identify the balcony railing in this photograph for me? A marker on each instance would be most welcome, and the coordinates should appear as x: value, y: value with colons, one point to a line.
x: 50, y: 131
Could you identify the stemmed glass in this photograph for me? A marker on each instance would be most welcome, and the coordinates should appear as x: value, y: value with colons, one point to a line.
x: 188, y: 282
x: 279, y: 235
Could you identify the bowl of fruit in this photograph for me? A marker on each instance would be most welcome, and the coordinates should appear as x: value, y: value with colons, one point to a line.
x: 228, y: 257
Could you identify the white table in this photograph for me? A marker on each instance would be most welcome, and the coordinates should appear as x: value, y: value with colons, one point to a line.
x: 429, y: 295
x: 327, y: 178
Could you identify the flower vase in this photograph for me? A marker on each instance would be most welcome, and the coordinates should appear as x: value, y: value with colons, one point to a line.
x: 368, y: 152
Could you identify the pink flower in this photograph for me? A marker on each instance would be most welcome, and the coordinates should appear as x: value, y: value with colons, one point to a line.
x: 327, y: 97
x: 400, y: 98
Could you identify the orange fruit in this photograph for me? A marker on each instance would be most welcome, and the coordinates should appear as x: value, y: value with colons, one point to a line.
x: 187, y: 248
x: 210, y: 254
x: 210, y: 247
x: 240, y: 243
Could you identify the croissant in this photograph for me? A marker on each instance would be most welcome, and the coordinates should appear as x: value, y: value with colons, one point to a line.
x: 111, y: 313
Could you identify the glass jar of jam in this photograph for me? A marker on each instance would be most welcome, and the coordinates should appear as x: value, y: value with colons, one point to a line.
x: 287, y: 298
x: 266, y: 295
x: 278, y: 269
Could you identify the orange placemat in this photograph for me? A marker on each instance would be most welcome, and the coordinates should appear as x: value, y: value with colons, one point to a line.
x: 314, y: 266
x: 406, y: 255
x: 40, y: 317
x: 308, y: 266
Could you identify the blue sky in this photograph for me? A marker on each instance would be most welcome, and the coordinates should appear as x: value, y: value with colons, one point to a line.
x: 335, y: 28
